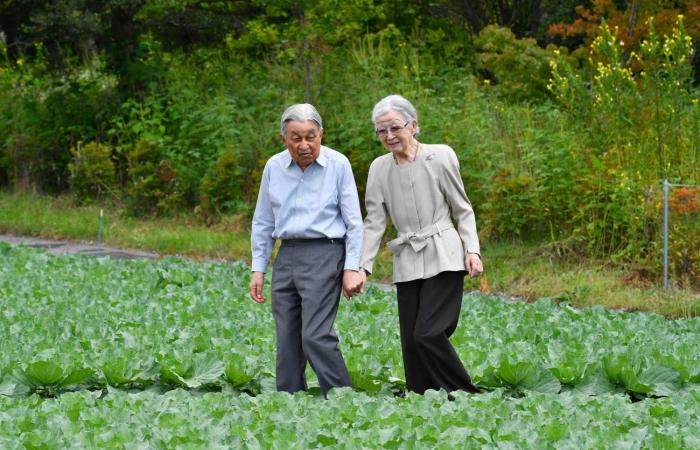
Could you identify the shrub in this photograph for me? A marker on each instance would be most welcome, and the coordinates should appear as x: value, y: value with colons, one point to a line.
x: 518, y: 69
x: 92, y: 172
x: 513, y: 207
x: 153, y: 187
x: 220, y: 190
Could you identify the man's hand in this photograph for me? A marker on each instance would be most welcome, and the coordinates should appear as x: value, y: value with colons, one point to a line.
x: 474, y: 265
x: 353, y: 282
x: 256, y: 286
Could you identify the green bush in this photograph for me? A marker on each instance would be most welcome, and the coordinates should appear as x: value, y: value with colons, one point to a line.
x: 92, y: 174
x: 513, y: 205
x: 220, y: 191
x: 136, y: 121
x: 153, y: 187
x: 518, y: 69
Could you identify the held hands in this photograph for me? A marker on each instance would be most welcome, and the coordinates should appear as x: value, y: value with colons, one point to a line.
x: 474, y: 265
x: 256, y: 287
x: 353, y: 282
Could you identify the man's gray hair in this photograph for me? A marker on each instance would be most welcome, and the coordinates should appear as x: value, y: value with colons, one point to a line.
x: 400, y: 105
x: 301, y: 112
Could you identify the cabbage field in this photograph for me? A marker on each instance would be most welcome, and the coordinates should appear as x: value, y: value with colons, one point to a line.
x: 140, y: 354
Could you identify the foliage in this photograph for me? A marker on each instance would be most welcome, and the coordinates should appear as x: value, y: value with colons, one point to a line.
x: 684, y: 235
x: 152, y: 187
x: 134, y: 123
x: 138, y: 121
x: 91, y: 171
x: 179, y: 418
x: 517, y: 68
x: 181, y: 323
x: 639, y: 127
x: 44, y: 116
x: 173, y: 353
x: 632, y: 18
x: 220, y: 191
x: 524, y: 18
x: 204, y: 83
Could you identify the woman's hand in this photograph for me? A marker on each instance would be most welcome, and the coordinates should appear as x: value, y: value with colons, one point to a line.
x: 474, y: 265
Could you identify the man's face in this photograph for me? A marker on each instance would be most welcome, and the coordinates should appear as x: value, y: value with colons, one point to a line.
x: 303, y: 140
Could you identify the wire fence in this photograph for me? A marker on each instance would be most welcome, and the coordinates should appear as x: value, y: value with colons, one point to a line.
x: 686, y: 201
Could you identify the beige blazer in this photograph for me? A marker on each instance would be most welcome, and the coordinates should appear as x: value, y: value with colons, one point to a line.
x: 418, y: 197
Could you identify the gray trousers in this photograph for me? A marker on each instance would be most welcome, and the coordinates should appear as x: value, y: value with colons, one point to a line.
x: 306, y: 285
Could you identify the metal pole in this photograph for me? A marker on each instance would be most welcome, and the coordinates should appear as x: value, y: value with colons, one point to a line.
x: 666, y: 185
x: 99, y: 231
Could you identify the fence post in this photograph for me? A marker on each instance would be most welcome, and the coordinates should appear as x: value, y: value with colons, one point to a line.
x: 666, y: 185
x: 100, y: 225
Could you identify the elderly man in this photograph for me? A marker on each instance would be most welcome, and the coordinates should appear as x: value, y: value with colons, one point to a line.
x: 308, y: 200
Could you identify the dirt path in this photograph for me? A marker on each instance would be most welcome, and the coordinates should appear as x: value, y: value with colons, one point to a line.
x: 63, y: 248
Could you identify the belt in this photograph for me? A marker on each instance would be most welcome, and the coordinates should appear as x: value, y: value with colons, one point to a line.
x: 418, y: 239
x: 309, y: 241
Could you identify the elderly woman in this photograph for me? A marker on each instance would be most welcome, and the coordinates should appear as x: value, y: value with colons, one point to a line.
x: 420, y: 188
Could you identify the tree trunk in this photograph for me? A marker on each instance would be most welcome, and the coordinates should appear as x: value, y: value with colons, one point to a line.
x: 305, y: 57
x: 123, y: 48
x: 634, y: 15
x: 307, y: 72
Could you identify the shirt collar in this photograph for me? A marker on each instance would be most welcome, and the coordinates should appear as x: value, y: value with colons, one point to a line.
x: 322, y: 159
x: 286, y: 159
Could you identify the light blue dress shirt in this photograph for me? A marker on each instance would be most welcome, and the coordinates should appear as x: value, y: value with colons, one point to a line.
x: 318, y: 202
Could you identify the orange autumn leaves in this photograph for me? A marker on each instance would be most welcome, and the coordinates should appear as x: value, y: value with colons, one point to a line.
x: 632, y: 20
x: 685, y: 200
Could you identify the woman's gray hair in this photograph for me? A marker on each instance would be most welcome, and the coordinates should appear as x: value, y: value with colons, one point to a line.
x: 301, y: 112
x: 400, y: 105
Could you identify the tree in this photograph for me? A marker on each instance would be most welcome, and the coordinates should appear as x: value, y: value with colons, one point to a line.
x: 630, y: 17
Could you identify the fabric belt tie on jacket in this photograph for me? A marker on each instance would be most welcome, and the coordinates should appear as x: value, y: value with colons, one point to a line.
x: 418, y: 239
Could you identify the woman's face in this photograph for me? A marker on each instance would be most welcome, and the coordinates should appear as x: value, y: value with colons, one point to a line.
x: 395, y: 133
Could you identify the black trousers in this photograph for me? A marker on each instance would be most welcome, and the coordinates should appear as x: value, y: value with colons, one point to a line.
x: 428, y: 315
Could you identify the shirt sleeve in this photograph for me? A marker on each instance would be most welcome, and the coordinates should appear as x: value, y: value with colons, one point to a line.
x: 375, y: 221
x: 352, y: 216
x: 453, y: 189
x: 263, y: 225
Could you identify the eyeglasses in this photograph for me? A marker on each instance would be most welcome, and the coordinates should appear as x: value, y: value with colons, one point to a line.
x: 384, y: 132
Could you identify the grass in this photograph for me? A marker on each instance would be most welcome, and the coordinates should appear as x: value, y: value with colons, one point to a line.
x: 512, y: 269
x: 527, y: 271
x: 59, y: 218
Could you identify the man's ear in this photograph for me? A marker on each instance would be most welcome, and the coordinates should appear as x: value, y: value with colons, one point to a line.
x: 320, y: 133
x: 282, y: 137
